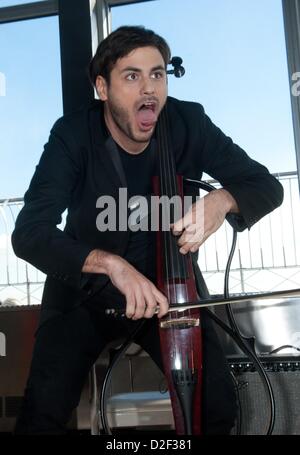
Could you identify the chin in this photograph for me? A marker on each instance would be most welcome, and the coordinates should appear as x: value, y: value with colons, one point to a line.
x: 143, y: 137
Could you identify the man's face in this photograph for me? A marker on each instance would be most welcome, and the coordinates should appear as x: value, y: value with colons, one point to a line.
x: 135, y: 96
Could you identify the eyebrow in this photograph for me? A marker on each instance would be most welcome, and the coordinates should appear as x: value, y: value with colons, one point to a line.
x: 138, y: 70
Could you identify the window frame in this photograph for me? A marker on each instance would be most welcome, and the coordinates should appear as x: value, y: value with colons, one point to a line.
x: 102, y: 11
x: 291, y: 17
x: 34, y: 10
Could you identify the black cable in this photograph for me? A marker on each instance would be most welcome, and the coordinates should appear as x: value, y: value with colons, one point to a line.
x: 117, y: 355
x: 245, y: 344
x: 250, y: 341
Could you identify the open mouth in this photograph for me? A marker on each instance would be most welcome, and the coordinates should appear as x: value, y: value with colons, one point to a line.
x: 146, y: 115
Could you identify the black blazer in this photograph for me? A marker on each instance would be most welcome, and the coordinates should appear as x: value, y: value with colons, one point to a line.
x: 80, y: 163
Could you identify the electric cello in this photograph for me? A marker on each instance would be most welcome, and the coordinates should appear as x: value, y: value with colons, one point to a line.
x: 180, y: 331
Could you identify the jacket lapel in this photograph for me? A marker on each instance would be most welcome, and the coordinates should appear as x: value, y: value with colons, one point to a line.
x: 113, y: 153
x: 105, y: 148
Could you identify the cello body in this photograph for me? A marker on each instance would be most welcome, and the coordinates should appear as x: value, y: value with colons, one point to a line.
x: 179, y: 331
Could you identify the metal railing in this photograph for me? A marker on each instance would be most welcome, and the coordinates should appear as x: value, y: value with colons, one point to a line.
x: 267, y: 256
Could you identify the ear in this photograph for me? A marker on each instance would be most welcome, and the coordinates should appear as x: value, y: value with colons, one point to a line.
x: 101, y: 87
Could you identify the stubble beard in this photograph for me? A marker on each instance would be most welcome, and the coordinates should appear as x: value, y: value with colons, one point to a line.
x: 121, y: 118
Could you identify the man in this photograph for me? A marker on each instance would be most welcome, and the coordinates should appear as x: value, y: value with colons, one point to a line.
x: 92, y: 153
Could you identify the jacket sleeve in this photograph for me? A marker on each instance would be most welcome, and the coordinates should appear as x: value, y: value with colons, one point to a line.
x: 255, y: 190
x: 36, y: 238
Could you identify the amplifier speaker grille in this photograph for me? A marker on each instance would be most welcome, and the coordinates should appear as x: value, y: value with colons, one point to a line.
x: 254, y: 403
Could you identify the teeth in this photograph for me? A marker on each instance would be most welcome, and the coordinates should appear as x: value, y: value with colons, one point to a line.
x: 148, y: 104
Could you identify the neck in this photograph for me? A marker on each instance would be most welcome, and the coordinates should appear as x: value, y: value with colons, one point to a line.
x: 126, y: 143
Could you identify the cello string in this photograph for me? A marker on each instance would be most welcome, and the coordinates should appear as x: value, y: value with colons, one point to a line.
x: 168, y: 191
x: 164, y: 191
x: 161, y: 190
x: 184, y: 258
x: 181, y: 259
x: 175, y: 191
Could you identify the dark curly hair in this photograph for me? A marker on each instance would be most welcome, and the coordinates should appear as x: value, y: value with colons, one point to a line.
x: 120, y: 43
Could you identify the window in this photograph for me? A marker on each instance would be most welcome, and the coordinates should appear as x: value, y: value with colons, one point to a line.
x: 30, y: 65
x: 30, y: 102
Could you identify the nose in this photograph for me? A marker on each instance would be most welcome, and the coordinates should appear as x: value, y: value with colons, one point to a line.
x: 147, y: 86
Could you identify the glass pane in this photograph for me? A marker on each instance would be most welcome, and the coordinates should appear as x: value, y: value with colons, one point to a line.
x: 30, y: 67
x: 30, y: 102
x: 235, y: 60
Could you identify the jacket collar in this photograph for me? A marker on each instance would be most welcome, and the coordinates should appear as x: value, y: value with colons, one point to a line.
x: 104, y: 145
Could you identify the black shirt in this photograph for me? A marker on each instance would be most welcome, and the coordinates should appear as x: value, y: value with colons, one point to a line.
x: 139, y: 170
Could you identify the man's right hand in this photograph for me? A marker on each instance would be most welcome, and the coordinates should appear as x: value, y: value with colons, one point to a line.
x: 142, y: 296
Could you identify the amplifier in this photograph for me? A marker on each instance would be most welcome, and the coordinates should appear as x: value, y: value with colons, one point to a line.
x: 284, y: 375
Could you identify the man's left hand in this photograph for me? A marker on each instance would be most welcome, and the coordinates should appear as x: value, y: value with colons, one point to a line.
x: 203, y: 219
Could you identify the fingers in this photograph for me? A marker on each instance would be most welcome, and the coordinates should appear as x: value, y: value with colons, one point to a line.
x: 140, y: 305
x: 191, y: 228
x: 143, y: 301
x: 183, y: 223
x: 194, y: 228
x: 191, y: 240
x: 142, y: 296
x: 130, y: 304
x: 151, y: 303
x: 162, y: 302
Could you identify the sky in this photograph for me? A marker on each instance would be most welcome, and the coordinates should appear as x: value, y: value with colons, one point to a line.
x: 30, y: 60
x: 235, y: 60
